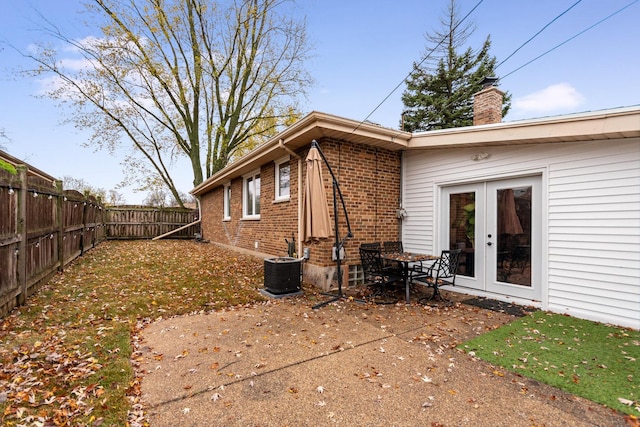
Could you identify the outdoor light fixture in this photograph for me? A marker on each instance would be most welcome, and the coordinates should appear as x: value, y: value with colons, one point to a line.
x: 11, y: 191
x: 35, y: 194
x: 480, y: 156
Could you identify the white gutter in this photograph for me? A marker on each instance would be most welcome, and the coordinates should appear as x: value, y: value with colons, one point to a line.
x: 293, y: 154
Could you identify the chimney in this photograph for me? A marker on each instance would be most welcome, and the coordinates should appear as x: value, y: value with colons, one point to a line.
x: 487, y: 104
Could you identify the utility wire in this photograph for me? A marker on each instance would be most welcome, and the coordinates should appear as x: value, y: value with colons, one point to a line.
x: 416, y: 66
x: 569, y: 39
x: 508, y: 57
x: 538, y: 33
x: 552, y: 49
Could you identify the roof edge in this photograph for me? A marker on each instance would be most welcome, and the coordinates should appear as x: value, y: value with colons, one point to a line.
x: 570, y: 127
x: 315, y: 120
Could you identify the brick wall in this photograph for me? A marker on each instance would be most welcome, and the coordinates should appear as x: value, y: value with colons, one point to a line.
x: 370, y: 182
x: 487, y: 106
x: 278, y: 220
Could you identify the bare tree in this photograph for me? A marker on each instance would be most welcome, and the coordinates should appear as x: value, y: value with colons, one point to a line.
x: 113, y: 198
x: 3, y: 136
x: 157, y: 197
x: 181, y: 78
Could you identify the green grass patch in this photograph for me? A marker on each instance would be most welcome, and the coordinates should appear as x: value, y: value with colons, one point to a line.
x: 596, y: 361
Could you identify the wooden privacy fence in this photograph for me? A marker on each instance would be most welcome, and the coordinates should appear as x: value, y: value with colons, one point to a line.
x: 143, y: 222
x: 43, y: 228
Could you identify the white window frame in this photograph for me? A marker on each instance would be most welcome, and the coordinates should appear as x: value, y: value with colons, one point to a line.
x: 250, y: 179
x: 226, y: 204
x: 279, y: 162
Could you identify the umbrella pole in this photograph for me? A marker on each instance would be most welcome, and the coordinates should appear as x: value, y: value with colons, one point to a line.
x: 339, y: 244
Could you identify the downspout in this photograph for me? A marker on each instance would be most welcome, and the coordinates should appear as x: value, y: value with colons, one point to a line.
x: 293, y: 154
x: 401, y: 211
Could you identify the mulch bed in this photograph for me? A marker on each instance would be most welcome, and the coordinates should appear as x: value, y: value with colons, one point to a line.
x: 500, y: 306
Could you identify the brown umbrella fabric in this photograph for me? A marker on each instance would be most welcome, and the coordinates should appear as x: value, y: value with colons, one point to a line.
x: 317, y: 223
x: 508, y: 221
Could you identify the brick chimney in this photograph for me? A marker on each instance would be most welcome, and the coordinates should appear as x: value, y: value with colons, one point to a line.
x: 487, y: 104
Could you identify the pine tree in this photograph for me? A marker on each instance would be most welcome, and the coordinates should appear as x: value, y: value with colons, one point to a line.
x: 440, y: 90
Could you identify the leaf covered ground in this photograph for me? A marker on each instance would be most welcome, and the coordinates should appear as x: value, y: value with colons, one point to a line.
x: 65, y: 356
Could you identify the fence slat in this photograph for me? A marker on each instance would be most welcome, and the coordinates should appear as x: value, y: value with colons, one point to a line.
x: 43, y: 228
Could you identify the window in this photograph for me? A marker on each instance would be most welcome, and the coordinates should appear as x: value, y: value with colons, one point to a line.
x: 283, y: 179
x: 251, y: 199
x: 227, y: 201
x: 356, y: 275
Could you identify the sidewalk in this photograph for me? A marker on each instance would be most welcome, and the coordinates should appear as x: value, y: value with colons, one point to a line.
x: 281, y: 363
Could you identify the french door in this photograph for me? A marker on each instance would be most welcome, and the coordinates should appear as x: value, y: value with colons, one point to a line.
x: 497, y: 227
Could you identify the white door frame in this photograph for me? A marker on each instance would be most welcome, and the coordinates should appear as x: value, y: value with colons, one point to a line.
x: 533, y: 292
x: 484, y: 280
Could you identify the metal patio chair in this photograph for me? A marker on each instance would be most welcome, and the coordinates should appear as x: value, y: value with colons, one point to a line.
x: 441, y: 272
x: 393, y: 247
x: 376, y: 276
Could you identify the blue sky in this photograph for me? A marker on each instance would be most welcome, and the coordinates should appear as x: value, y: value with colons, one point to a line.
x: 363, y: 49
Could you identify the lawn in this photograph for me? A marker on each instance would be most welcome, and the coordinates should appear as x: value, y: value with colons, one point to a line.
x: 65, y: 357
x: 589, y: 359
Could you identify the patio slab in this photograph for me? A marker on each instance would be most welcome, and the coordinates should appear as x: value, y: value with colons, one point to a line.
x: 281, y: 363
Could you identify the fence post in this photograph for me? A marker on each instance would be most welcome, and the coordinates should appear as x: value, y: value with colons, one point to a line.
x: 60, y: 217
x: 22, y: 232
x: 84, y: 225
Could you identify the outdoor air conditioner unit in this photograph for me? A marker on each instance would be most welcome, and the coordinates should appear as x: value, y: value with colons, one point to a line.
x: 282, y: 275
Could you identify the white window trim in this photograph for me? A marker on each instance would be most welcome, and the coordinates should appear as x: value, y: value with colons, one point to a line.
x: 246, y: 177
x: 278, y: 162
x: 226, y: 203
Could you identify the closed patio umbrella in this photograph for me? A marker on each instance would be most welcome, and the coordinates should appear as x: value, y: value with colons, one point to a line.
x: 317, y: 222
x: 508, y: 221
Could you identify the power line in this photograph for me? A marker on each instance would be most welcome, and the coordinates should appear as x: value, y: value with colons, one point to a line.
x: 552, y: 49
x: 538, y: 33
x: 569, y: 39
x: 417, y: 65
x: 508, y: 57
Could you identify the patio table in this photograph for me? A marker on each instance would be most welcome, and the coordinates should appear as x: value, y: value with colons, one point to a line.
x: 405, y: 258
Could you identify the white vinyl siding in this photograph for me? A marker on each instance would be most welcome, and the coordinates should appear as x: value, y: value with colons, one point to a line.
x: 591, y: 216
x: 594, y: 233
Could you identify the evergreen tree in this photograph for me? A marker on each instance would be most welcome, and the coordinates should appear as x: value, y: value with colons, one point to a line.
x: 440, y: 89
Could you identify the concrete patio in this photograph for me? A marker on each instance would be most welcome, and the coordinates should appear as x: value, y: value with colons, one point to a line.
x: 281, y: 363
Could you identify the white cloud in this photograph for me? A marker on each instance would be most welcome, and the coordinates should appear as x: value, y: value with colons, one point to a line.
x: 561, y: 96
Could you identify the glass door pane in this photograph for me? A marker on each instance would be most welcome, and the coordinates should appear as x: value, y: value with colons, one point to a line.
x: 513, y: 252
x: 462, y: 230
